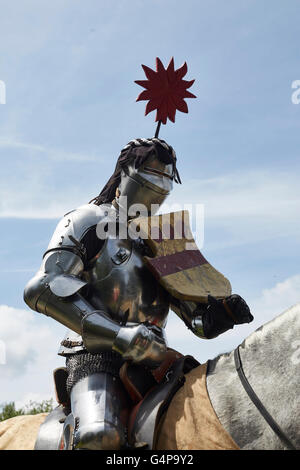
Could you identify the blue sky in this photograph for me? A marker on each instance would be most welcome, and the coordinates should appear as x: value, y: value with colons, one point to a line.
x: 69, y: 69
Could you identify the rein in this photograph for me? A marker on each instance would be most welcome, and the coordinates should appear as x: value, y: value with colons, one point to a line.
x: 254, y: 398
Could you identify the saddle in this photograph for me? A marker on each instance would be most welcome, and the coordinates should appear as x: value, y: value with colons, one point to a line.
x: 150, y: 406
x: 151, y: 392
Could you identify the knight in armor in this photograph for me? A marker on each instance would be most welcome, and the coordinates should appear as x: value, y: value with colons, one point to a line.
x: 101, y: 289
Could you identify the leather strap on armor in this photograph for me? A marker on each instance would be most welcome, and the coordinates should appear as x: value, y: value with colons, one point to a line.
x: 147, y: 413
x: 138, y: 380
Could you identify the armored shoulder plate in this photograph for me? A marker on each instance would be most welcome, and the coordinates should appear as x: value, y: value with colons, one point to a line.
x: 76, y: 224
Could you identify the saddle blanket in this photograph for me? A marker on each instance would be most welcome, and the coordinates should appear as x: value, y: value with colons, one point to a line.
x: 190, y: 422
x: 20, y: 432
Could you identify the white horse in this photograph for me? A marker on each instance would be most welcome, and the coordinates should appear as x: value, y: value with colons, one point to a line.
x: 213, y: 410
x: 270, y: 359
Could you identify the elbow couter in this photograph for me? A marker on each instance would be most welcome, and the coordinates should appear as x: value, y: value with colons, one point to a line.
x: 33, y: 290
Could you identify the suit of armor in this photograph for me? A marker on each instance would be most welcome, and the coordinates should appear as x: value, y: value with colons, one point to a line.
x: 116, y: 311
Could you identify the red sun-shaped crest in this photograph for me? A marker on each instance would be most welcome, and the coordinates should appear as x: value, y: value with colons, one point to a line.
x: 165, y: 90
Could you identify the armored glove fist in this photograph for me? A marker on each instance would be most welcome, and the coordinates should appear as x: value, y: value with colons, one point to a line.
x: 237, y: 309
x: 139, y: 344
x: 223, y: 314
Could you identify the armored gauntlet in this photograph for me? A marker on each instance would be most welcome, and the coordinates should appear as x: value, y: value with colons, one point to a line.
x: 136, y: 343
x: 140, y: 344
x: 221, y: 315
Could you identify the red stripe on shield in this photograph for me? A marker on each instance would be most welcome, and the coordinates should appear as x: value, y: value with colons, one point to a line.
x: 171, y: 264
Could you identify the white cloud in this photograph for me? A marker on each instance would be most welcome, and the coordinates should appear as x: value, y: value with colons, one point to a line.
x: 243, y: 193
x: 51, y: 153
x: 244, y: 206
x: 28, y: 341
x: 32, y: 189
x: 31, y: 345
x: 267, y: 306
x: 275, y: 300
x: 25, y: 400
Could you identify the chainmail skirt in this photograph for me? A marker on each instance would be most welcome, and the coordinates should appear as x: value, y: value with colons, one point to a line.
x: 83, y: 364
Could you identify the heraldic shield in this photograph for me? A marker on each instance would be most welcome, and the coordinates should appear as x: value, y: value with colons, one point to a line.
x: 177, y: 263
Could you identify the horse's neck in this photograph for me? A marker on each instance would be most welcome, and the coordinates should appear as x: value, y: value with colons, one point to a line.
x: 270, y: 352
x: 270, y: 358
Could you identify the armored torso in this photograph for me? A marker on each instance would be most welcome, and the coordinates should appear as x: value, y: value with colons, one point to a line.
x: 116, y: 277
x: 119, y: 278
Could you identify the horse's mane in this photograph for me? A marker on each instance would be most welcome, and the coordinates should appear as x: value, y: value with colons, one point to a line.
x: 285, y: 326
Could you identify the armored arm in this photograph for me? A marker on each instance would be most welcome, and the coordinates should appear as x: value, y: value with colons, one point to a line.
x: 56, y: 288
x: 213, y: 318
x: 56, y: 291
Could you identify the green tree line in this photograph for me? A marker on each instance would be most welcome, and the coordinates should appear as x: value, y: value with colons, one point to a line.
x: 9, y: 410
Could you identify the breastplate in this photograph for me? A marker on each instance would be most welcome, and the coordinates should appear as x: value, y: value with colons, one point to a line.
x: 119, y: 278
